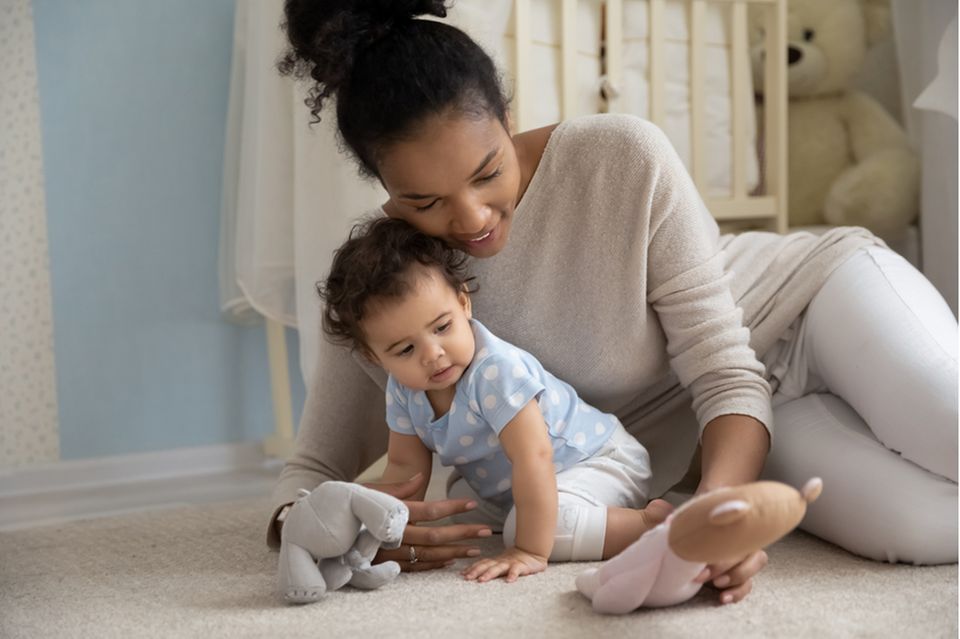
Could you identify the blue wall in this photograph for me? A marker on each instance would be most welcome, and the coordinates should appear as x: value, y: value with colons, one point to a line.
x: 133, y: 107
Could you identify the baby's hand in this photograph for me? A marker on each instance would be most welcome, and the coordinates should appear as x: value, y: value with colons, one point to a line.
x: 512, y: 562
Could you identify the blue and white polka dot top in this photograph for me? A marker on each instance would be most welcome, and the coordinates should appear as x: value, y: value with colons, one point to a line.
x: 500, y: 381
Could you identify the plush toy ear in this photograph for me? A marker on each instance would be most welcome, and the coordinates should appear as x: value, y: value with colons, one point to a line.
x: 728, y: 512
x: 812, y: 489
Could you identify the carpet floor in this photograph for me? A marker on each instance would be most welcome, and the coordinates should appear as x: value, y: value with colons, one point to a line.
x: 205, y: 571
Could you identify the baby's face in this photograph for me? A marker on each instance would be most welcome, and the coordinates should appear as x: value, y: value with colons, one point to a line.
x: 424, y: 340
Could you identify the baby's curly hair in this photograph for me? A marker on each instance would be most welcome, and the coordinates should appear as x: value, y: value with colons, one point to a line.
x: 375, y: 264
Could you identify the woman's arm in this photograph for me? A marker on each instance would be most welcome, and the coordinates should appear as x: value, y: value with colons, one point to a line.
x: 707, y: 341
x: 733, y: 449
x: 342, y: 429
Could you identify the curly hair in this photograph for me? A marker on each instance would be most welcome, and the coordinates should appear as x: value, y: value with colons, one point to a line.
x: 374, y: 265
x: 387, y: 70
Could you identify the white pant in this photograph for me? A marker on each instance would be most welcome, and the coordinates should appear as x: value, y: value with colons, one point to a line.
x: 616, y: 475
x: 869, y: 404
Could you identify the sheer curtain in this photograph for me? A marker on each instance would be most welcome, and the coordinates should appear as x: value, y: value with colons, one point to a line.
x: 289, y: 196
x: 926, y: 40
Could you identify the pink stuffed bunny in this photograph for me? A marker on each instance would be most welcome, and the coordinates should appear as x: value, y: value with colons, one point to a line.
x: 659, y: 568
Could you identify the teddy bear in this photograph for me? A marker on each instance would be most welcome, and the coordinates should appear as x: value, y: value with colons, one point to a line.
x: 850, y: 163
x: 725, y: 524
x: 330, y: 536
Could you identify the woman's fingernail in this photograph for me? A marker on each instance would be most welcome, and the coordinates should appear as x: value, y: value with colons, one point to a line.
x: 720, y: 582
x: 449, y: 562
x: 702, y: 577
x: 473, y: 552
x: 726, y: 599
x: 471, y: 505
x: 486, y: 532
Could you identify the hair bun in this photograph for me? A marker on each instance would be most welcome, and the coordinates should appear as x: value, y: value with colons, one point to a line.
x: 325, y: 36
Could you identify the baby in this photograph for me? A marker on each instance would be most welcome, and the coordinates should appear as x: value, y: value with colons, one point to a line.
x: 564, y: 480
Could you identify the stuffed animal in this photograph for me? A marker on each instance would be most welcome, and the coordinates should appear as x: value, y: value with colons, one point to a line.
x: 330, y: 537
x: 850, y: 163
x: 723, y: 525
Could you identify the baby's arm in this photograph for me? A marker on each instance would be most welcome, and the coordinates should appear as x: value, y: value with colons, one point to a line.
x: 407, y: 456
x: 527, y: 444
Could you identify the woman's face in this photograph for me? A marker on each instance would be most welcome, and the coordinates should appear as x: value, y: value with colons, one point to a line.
x: 456, y: 178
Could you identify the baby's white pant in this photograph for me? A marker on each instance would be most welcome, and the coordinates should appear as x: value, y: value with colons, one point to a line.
x: 616, y: 475
x: 869, y: 404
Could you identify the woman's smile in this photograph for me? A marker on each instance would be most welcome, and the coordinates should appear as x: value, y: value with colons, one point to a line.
x: 482, y: 241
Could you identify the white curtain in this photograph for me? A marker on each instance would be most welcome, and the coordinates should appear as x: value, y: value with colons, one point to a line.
x: 926, y: 40
x: 289, y: 196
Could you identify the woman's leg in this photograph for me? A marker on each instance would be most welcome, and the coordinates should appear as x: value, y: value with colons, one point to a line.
x: 874, y: 503
x: 879, y: 337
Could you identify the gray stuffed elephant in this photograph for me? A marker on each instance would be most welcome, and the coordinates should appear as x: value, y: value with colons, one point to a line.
x: 330, y: 537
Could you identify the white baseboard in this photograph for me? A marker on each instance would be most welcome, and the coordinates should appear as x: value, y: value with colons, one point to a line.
x: 62, y: 491
x: 122, y: 469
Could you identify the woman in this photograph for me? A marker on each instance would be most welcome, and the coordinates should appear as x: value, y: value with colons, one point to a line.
x: 594, y: 252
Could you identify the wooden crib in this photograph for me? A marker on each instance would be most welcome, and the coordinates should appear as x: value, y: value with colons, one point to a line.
x: 743, y: 203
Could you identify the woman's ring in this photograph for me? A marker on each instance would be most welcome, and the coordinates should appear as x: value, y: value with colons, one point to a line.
x: 413, y: 555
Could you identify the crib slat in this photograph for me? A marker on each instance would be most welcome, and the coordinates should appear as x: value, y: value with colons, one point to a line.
x: 657, y: 83
x: 740, y: 63
x: 521, y: 27
x: 280, y: 444
x: 698, y: 16
x: 755, y: 207
x: 613, y: 50
x: 775, y: 110
x: 568, y: 48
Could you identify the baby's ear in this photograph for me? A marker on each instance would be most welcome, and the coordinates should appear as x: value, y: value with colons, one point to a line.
x: 728, y: 512
x: 465, y: 302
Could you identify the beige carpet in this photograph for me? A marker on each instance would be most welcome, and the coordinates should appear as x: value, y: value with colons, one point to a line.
x: 204, y: 571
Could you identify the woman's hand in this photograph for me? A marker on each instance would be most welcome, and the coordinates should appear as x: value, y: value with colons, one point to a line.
x: 512, y: 562
x: 733, y: 448
x: 429, y: 547
x: 734, y: 580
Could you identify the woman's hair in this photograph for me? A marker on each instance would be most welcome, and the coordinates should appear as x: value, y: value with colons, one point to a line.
x: 377, y: 264
x: 387, y: 70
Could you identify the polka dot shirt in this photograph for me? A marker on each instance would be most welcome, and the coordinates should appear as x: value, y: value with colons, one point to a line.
x: 500, y: 381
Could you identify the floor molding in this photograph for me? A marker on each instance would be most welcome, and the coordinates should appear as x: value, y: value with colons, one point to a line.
x: 64, y: 491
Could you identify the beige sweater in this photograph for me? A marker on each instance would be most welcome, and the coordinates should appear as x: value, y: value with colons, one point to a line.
x: 616, y: 278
